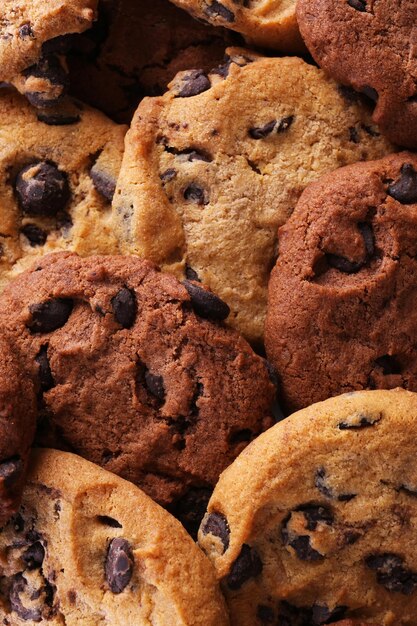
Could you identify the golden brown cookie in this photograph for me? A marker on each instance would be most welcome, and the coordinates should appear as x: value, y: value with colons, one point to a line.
x: 88, y: 548
x: 214, y: 166
x: 316, y: 520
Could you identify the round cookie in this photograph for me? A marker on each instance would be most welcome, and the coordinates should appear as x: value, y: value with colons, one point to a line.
x: 57, y: 177
x: 213, y: 167
x: 17, y: 428
x: 372, y: 47
x: 265, y: 24
x: 135, y: 49
x: 26, y: 26
x: 316, y: 520
x: 342, y: 295
x: 136, y: 373
x: 88, y: 548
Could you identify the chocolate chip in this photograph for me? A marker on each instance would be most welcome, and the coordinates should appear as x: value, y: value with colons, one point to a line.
x: 18, y: 523
x: 109, y: 521
x: 404, y: 189
x: 265, y: 614
x: 352, y: 267
x: 34, y: 556
x: 195, y: 193
x: 35, y: 235
x: 105, y: 185
x: 191, y: 274
x: 205, y: 303
x: 353, y: 134
x: 370, y: 131
x: 285, y: 123
x: 190, y: 154
x: 303, y: 549
x: 11, y: 471
x: 58, y: 119
x: 124, y: 307
x: 168, y: 175
x: 261, y: 132
x: 45, y: 375
x: 155, y: 384
x: 216, y: 524
x: 391, y: 573
x: 193, y: 83
x: 247, y: 565
x: 389, y: 364
x: 49, y: 315
x: 321, y: 484
x: 119, y: 564
x: 25, y: 30
x: 359, y: 5
x: 17, y: 588
x: 42, y: 189
x: 191, y: 507
x: 359, y: 420
x: 370, y: 92
x: 313, y: 514
x: 49, y: 69
x: 216, y: 9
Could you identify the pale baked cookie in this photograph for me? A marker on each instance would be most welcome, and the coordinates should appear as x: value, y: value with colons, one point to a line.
x: 263, y: 23
x: 89, y: 548
x: 342, y: 296
x: 214, y: 166
x: 58, y: 172
x: 27, y: 25
x: 371, y: 46
x: 137, y: 373
x: 316, y: 520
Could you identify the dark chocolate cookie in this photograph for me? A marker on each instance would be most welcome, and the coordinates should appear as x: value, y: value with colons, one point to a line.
x: 315, y: 521
x: 371, y: 46
x: 136, y: 372
x: 342, y: 296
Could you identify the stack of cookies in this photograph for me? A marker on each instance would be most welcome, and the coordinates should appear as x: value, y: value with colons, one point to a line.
x: 208, y: 296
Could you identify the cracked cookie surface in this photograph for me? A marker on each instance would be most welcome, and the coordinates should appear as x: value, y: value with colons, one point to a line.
x: 57, y: 178
x: 213, y: 167
x: 136, y: 372
x: 316, y: 520
x: 342, y: 294
x: 89, y: 548
x: 371, y: 46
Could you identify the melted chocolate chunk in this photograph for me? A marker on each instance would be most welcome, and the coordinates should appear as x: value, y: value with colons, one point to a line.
x: 58, y: 119
x: 49, y: 315
x: 247, y: 565
x: 189, y: 155
x: 195, y: 193
x: 216, y: 524
x: 353, y: 134
x: 109, y: 521
x: 391, y: 573
x: 11, y: 471
x: 191, y: 274
x: 321, y: 484
x: 285, y: 123
x: 119, y: 564
x: 351, y: 267
x: 35, y: 235
x: 49, y: 69
x: 155, y: 385
x: 168, y: 175
x: 260, y: 132
x: 34, y: 556
x: 205, y: 303
x: 359, y: 5
x: 124, y: 307
x: 313, y: 514
x: 25, y: 30
x: 195, y: 82
x: 45, y: 374
x: 359, y: 421
x: 389, y: 364
x: 105, y: 185
x: 290, y: 615
x: 217, y: 9
x: 17, y: 589
x: 42, y: 189
x: 404, y: 189
x: 191, y: 507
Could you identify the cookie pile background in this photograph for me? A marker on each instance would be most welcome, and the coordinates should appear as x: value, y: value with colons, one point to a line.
x: 208, y: 221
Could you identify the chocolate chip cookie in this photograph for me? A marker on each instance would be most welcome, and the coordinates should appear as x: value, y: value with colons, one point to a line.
x: 87, y: 547
x: 136, y: 372
x: 57, y: 176
x: 17, y: 427
x: 371, y: 46
x: 135, y: 49
x: 342, y: 295
x: 315, y: 520
x: 268, y: 25
x: 214, y: 166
